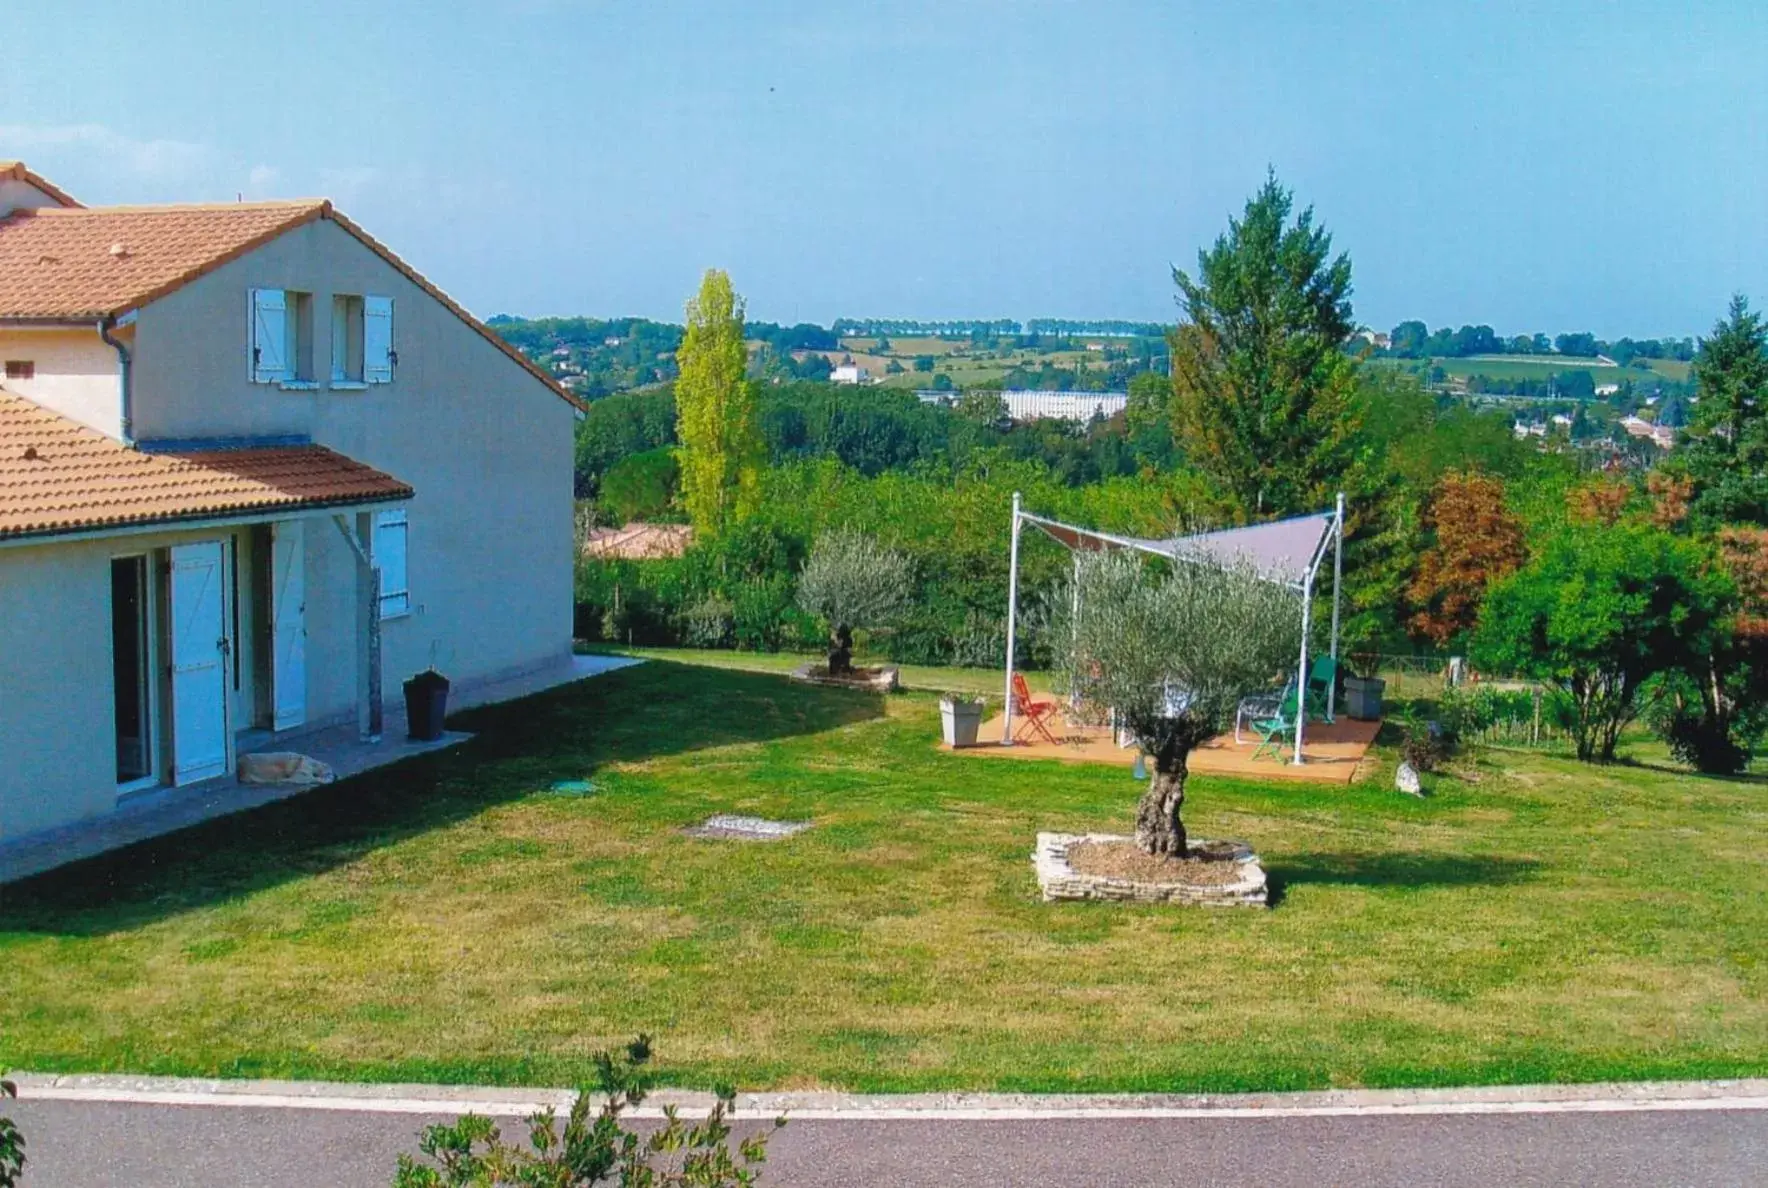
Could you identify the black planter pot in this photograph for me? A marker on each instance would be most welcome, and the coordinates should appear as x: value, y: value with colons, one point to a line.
x: 426, y: 705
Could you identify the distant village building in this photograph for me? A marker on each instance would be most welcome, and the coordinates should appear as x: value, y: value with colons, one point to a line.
x: 850, y: 373
x: 1607, y: 389
x: 1025, y: 405
x: 638, y: 542
x: 1375, y: 338
x: 1663, y: 436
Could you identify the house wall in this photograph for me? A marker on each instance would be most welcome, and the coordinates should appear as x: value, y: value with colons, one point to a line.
x: 487, y: 447
x: 18, y: 194
x: 57, y: 697
x: 76, y: 374
x: 57, y: 754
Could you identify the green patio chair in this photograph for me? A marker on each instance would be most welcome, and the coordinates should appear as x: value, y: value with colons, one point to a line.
x: 1322, y: 675
x: 1272, y: 728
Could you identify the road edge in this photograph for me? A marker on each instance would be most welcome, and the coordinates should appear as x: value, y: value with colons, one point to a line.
x: 1612, y: 1097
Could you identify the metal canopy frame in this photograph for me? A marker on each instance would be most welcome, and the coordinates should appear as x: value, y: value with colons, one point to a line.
x: 1207, y: 548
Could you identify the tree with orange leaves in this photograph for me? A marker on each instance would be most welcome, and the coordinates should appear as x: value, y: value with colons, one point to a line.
x: 1476, y: 541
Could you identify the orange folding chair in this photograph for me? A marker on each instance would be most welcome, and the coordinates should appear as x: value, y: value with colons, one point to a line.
x: 1033, y: 715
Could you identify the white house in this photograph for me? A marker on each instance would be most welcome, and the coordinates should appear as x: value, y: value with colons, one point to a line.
x: 254, y: 471
x: 849, y: 373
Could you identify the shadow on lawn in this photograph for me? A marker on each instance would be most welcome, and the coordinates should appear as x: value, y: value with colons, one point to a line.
x: 519, y: 747
x: 1399, y: 870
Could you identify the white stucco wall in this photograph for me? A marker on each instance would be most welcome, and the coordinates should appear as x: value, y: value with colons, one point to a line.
x: 57, y: 760
x: 76, y: 373
x: 18, y: 194
x: 487, y: 447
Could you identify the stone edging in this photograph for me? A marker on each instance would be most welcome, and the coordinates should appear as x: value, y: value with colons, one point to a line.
x: 1061, y: 881
x: 887, y: 679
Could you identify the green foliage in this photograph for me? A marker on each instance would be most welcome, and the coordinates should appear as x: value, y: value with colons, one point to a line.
x: 619, y: 426
x: 641, y: 486
x: 1171, y: 653
x: 611, y: 356
x: 1513, y: 717
x: 593, y: 1150
x: 850, y: 581
x: 1262, y: 391
x: 12, y: 1143
x: 1596, y: 614
x: 721, y: 448
x: 1728, y: 456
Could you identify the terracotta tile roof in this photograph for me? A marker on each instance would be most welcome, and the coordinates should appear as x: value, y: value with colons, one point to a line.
x: 79, y: 263
x: 639, y: 542
x: 58, y: 477
x: 84, y: 262
x: 17, y: 171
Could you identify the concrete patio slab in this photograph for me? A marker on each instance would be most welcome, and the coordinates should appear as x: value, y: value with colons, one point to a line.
x: 339, y: 746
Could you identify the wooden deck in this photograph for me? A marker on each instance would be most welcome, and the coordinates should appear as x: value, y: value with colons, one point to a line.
x: 1331, y: 752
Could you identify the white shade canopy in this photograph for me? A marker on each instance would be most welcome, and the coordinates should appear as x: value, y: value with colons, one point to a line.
x: 1286, y: 552
x: 1282, y: 551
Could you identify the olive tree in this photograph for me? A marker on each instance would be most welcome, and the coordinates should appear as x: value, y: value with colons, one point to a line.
x: 851, y: 581
x: 1172, y: 653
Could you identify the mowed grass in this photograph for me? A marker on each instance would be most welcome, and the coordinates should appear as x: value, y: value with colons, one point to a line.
x: 451, y: 920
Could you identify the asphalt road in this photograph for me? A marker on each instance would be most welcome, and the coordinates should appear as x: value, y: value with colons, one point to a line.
x: 93, y: 1144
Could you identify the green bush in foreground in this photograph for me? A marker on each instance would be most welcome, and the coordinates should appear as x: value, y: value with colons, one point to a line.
x: 12, y: 1143
x: 472, y: 1153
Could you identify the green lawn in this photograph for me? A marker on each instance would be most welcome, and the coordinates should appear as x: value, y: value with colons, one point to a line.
x: 451, y: 920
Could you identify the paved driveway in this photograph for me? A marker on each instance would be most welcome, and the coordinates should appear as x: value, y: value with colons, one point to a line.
x: 195, y: 1146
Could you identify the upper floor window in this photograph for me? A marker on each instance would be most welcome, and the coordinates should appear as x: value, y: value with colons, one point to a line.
x: 378, y: 355
x: 362, y: 340
x: 346, y: 340
x: 281, y: 337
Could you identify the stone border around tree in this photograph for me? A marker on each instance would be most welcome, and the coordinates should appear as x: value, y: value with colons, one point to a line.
x: 1061, y: 881
x: 882, y: 680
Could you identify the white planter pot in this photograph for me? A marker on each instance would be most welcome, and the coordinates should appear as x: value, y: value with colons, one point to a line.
x: 959, y: 721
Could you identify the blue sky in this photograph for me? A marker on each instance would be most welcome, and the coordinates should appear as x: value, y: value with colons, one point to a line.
x: 1598, y: 166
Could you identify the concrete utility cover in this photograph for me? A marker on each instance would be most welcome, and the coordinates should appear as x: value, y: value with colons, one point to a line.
x: 733, y: 828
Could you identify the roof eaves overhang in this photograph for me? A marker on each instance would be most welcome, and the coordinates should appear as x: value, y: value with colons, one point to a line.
x: 197, y: 521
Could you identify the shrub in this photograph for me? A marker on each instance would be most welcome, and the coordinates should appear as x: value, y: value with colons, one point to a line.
x: 12, y: 1143
x: 472, y: 1153
x: 1597, y: 613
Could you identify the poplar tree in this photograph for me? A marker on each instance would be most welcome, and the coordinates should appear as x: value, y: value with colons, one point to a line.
x: 721, y: 449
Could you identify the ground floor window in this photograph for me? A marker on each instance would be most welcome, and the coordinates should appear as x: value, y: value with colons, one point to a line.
x: 130, y: 671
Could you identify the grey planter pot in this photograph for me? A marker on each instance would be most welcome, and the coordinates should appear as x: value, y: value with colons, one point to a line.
x: 959, y: 721
x: 1362, y: 697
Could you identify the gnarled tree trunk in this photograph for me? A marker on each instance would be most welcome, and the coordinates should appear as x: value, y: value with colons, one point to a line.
x: 841, y: 650
x: 1158, y: 828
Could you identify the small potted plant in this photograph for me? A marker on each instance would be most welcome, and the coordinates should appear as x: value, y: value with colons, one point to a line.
x: 960, y: 718
x: 1364, y: 687
x: 426, y: 703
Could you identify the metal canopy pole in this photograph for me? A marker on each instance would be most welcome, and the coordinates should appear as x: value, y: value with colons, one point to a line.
x: 1012, y: 623
x: 1337, y: 590
x: 1301, y: 683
